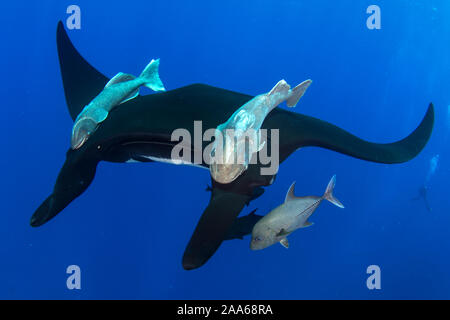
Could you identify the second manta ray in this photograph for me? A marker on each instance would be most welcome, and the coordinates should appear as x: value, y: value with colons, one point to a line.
x: 120, y: 89
x: 141, y: 130
x: 293, y: 214
x: 229, y: 153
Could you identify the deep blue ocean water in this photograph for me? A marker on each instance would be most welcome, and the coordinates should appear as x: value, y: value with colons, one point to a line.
x: 128, y: 231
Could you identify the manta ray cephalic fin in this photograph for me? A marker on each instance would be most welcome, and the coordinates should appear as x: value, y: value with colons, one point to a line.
x: 212, y: 227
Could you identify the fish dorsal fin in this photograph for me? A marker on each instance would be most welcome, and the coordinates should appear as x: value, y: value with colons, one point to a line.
x: 119, y: 78
x: 290, y: 194
x: 81, y: 81
x: 280, y: 87
x: 285, y: 243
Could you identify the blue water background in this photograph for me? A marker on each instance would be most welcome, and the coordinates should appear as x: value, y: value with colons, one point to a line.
x: 128, y: 231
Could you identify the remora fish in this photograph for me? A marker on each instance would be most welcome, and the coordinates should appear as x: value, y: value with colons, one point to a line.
x: 229, y: 155
x: 119, y: 89
x: 293, y: 214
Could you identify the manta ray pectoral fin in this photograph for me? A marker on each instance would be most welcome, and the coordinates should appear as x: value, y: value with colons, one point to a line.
x: 81, y: 81
x: 213, y: 226
x: 300, y: 131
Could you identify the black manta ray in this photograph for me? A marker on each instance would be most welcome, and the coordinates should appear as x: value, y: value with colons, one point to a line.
x: 141, y: 129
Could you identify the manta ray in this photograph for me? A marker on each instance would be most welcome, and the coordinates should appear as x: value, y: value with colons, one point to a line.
x: 141, y: 128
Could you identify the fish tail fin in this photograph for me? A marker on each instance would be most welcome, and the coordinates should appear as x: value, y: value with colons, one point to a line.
x: 150, y: 76
x: 329, y: 193
x: 297, y: 93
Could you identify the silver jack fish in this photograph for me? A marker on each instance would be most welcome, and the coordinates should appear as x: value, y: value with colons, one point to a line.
x: 229, y: 154
x: 293, y: 214
x: 119, y: 89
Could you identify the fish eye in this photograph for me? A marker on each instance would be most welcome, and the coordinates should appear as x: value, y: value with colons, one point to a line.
x: 257, y: 239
